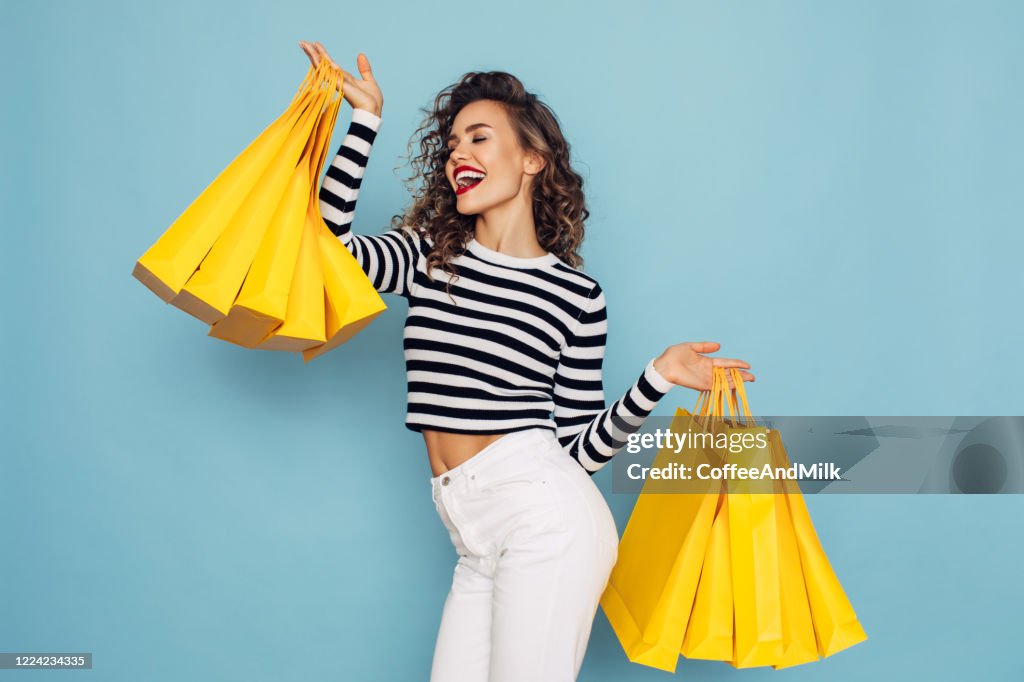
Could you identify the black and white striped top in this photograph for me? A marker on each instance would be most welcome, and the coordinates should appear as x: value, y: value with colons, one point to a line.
x: 519, y: 344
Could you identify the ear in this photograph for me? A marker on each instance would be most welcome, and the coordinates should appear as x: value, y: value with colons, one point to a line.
x: 533, y: 163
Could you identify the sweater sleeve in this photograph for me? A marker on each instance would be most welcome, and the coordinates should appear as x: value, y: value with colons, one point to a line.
x: 388, y: 259
x: 584, y: 426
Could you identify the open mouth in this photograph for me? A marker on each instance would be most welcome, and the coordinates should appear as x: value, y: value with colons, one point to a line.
x: 467, y: 177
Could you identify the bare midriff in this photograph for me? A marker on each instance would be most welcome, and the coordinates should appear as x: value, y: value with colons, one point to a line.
x: 449, y: 450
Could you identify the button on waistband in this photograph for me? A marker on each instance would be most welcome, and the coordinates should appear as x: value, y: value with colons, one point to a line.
x: 445, y: 480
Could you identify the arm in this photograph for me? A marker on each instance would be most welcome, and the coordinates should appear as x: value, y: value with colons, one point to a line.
x: 388, y: 259
x: 584, y: 425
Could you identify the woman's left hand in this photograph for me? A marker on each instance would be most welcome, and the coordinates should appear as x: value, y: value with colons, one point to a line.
x: 683, y: 365
x: 361, y: 93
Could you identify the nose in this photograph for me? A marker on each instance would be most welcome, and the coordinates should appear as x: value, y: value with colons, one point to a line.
x: 458, y: 151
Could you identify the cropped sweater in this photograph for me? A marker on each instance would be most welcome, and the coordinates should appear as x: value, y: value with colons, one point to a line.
x: 519, y: 344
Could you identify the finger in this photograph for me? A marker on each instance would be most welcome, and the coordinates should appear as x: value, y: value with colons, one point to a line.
x: 364, y: 67
x: 323, y: 53
x: 728, y: 377
x: 349, y: 78
x: 310, y: 52
x: 745, y: 376
x: 705, y: 346
x: 729, y: 362
x: 350, y: 83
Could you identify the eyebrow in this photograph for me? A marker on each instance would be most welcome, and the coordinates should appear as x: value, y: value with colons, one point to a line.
x: 469, y: 129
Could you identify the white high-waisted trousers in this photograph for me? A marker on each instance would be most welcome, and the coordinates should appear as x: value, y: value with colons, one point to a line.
x: 536, y: 543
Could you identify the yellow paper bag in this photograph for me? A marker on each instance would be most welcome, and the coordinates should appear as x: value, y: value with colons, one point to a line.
x: 267, y: 297
x: 210, y: 291
x: 753, y: 541
x: 305, y: 326
x: 835, y: 623
x: 351, y: 301
x: 652, y: 585
x: 755, y: 579
x: 174, y: 257
x: 798, y: 640
x: 710, y: 632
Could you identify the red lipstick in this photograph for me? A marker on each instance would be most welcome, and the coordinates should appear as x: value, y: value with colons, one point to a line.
x: 462, y: 189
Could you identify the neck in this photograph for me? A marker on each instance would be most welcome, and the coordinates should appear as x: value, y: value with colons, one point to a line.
x: 509, y: 228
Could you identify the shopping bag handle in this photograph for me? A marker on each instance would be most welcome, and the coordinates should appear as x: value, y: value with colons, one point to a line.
x: 710, y: 402
x: 314, y: 76
x: 703, y: 406
x: 324, y: 76
x: 730, y: 396
x: 703, y: 400
x: 738, y: 389
x: 335, y: 80
x: 720, y: 401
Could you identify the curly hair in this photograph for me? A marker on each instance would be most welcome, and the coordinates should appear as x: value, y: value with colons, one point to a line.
x: 559, y: 206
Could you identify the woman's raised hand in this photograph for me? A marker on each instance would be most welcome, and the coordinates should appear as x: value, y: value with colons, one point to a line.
x: 361, y: 93
x: 683, y: 365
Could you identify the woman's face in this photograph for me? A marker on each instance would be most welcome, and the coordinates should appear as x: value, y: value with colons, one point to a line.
x: 486, y: 165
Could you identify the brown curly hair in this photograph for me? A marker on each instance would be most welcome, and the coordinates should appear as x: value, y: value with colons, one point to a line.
x: 559, y: 206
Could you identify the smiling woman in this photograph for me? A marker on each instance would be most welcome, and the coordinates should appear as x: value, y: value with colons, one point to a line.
x: 509, y: 171
x: 489, y: 123
x: 504, y: 359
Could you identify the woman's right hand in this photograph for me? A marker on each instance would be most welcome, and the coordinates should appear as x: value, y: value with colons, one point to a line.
x: 685, y: 365
x: 361, y: 93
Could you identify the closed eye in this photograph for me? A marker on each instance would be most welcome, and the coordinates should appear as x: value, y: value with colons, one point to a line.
x: 475, y: 139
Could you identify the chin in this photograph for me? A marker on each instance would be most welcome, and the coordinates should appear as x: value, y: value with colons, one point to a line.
x: 475, y: 205
x: 465, y: 207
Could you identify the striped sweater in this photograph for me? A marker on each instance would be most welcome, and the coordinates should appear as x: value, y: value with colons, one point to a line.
x: 519, y: 344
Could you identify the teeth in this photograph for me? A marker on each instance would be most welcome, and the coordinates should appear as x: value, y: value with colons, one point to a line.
x: 467, y: 177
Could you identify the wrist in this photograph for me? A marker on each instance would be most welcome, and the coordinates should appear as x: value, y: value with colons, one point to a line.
x: 658, y: 364
x: 655, y: 373
x: 366, y: 117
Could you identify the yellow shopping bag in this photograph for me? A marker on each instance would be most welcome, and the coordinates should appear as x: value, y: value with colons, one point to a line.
x: 306, y: 323
x: 352, y: 302
x: 755, y: 577
x: 710, y: 632
x: 651, y: 589
x: 765, y: 593
x: 798, y: 641
x: 281, y: 304
x: 737, y: 614
x: 816, y: 616
x: 836, y: 625
x: 210, y: 291
x: 336, y: 287
x: 174, y: 257
x: 753, y: 534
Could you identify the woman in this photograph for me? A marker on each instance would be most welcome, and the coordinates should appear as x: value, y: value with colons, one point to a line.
x: 504, y: 344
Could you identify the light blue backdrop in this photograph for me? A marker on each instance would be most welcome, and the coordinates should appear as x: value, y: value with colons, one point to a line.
x: 830, y: 190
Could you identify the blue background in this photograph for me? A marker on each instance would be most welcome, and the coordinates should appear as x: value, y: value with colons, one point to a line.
x: 832, y: 191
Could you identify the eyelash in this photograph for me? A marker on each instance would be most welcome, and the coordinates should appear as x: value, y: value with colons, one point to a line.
x: 475, y: 139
